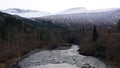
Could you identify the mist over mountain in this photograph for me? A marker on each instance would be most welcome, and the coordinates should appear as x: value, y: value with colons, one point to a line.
x: 25, y: 13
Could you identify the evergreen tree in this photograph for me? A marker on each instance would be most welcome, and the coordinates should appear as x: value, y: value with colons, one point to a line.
x: 109, y: 30
x: 95, y: 34
x: 118, y: 26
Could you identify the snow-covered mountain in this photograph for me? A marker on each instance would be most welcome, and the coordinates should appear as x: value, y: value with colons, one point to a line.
x: 79, y: 20
x: 72, y: 18
x: 83, y: 10
x: 25, y: 13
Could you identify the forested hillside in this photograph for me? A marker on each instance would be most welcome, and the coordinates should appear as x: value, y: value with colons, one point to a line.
x: 19, y: 35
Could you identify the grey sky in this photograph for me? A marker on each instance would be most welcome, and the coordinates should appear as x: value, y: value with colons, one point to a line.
x: 54, y: 6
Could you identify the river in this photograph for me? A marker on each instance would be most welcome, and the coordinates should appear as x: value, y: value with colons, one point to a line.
x: 69, y: 58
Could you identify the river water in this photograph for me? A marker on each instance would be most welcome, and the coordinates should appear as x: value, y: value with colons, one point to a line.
x: 69, y: 58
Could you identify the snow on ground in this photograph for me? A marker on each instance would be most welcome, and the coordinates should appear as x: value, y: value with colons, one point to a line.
x: 69, y: 58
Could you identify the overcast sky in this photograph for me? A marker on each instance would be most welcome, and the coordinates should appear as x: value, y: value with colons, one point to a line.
x: 54, y: 6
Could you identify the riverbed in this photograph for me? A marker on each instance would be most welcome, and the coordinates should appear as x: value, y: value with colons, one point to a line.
x: 69, y: 58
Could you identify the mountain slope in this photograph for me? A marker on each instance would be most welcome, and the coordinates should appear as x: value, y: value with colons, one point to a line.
x: 19, y: 35
x: 25, y: 13
x: 106, y: 18
x: 10, y: 26
x: 14, y: 24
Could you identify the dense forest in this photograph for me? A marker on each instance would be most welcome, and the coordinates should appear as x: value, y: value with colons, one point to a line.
x: 18, y: 36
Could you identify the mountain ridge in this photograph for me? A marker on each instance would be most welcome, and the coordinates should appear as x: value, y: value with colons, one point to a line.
x: 84, y: 10
x: 25, y: 12
x: 78, y: 20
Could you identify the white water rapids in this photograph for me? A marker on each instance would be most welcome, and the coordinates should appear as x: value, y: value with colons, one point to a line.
x: 69, y: 58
